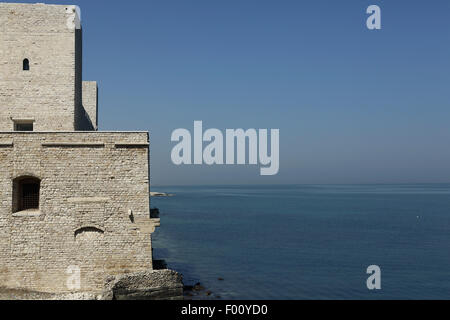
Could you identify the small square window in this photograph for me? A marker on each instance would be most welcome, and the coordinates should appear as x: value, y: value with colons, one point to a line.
x: 23, y: 126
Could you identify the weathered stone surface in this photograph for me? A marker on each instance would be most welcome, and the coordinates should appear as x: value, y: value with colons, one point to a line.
x: 93, y: 217
x: 151, y: 285
x: 81, y: 187
x: 90, y: 101
x: 14, y: 294
x: 50, y: 92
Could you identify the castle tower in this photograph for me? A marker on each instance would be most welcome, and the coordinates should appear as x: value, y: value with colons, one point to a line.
x: 73, y: 201
x: 41, y: 70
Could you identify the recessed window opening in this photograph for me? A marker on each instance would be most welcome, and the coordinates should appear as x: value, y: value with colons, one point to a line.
x: 26, y: 65
x: 23, y: 126
x: 26, y: 193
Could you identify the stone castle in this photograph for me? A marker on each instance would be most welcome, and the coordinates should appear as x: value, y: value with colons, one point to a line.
x: 71, y: 196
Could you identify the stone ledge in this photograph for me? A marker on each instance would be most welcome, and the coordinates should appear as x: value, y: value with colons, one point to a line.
x: 27, y: 119
x: 73, y: 144
x: 131, y: 145
x: 6, y: 144
x: 27, y: 214
x: 146, y: 225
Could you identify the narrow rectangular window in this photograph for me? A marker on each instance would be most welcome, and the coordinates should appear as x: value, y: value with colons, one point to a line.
x: 30, y: 196
x: 23, y: 126
x: 26, y: 65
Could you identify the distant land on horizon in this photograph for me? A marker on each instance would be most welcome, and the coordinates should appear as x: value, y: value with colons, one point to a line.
x: 154, y: 187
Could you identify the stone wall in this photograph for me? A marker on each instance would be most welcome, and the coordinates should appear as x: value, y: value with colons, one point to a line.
x: 93, y: 213
x: 49, y: 93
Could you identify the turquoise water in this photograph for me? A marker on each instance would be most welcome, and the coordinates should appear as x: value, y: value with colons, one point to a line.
x: 308, y: 242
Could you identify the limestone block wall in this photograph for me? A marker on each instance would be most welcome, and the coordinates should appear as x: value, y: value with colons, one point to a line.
x: 90, y: 101
x: 93, y: 212
x: 46, y: 93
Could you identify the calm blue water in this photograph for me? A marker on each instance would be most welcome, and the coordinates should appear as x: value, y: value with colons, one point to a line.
x: 308, y: 242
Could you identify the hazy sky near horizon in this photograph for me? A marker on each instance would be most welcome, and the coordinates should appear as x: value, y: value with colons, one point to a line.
x: 352, y: 105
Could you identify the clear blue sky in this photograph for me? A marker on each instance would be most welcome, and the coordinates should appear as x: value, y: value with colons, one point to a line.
x: 353, y: 105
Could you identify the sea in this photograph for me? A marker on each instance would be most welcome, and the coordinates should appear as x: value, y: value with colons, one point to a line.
x: 287, y: 242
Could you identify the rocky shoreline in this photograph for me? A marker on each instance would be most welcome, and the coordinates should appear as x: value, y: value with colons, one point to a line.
x: 198, y: 292
x: 154, y: 285
x: 151, y: 285
x: 163, y: 284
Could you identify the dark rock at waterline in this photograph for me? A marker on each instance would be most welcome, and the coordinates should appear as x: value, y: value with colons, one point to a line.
x: 154, y: 213
x: 221, y: 279
x: 159, y: 265
x: 198, y: 287
x: 198, y: 291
